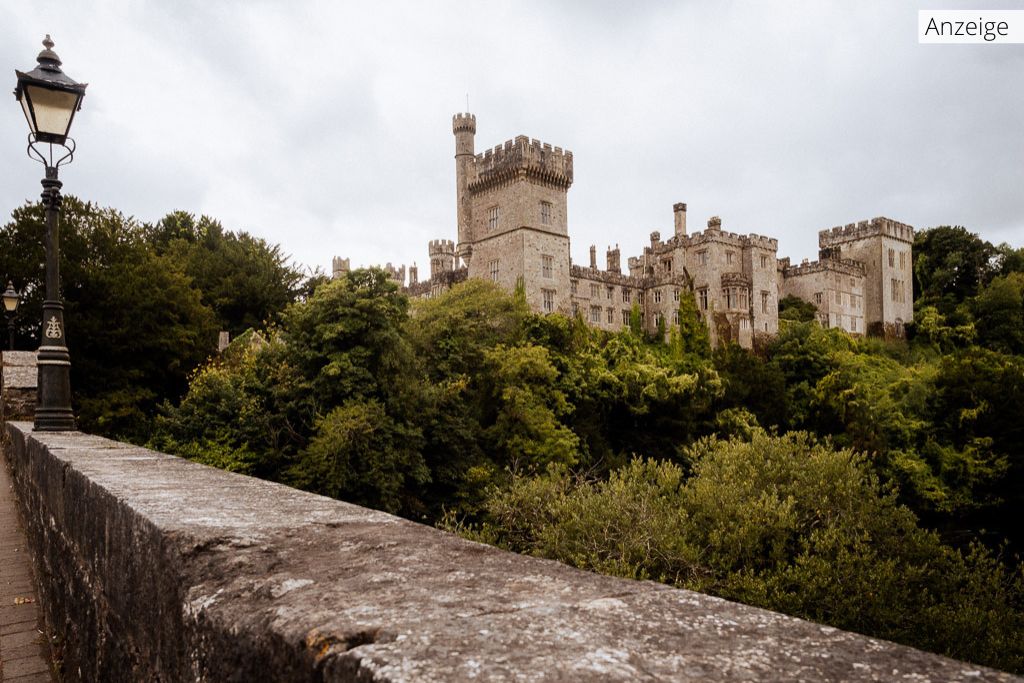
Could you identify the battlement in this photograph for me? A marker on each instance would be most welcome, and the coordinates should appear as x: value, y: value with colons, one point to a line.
x: 750, y: 240
x: 441, y: 248
x: 876, y: 227
x: 842, y: 266
x: 464, y: 123
x: 539, y: 161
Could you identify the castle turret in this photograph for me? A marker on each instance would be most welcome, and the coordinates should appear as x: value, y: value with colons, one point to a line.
x: 339, y: 267
x: 614, y: 260
x: 442, y: 257
x: 593, y: 256
x: 414, y: 274
x: 464, y: 128
x: 680, y: 215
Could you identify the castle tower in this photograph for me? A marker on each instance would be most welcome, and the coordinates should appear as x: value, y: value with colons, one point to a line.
x: 884, y: 247
x: 339, y: 267
x: 512, y: 215
x: 442, y: 257
x: 464, y: 128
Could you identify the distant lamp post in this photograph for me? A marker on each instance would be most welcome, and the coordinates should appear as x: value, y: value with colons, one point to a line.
x: 50, y: 99
x: 11, y: 298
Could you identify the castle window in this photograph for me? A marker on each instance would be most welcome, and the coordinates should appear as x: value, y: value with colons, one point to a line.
x: 626, y: 296
x: 666, y: 265
x: 892, y: 256
x: 575, y: 285
x: 853, y: 324
x: 764, y: 261
x: 702, y: 257
x: 609, y: 293
x: 764, y: 302
x: 595, y: 291
x: 575, y: 309
x: 702, y: 298
x: 817, y: 298
x: 545, y: 213
x: 675, y: 317
x: 744, y: 324
x: 549, y: 299
x: 657, y: 296
x: 625, y: 317
x: 595, y: 314
x: 492, y: 218
x: 729, y: 257
x: 675, y: 294
x: 611, y: 315
x: 640, y: 298
x: 492, y: 267
x: 546, y: 266
x: 659, y: 319
x: 903, y: 260
x: 743, y: 299
x: 730, y: 298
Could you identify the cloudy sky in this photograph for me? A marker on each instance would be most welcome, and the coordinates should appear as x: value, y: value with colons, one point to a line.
x: 326, y: 126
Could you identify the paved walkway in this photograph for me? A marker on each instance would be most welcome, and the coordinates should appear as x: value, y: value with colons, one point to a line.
x: 24, y: 652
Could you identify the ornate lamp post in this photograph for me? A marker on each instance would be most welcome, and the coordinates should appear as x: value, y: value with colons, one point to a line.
x: 50, y: 99
x: 11, y: 299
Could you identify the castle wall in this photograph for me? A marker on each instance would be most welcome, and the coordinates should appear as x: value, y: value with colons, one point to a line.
x: 836, y: 288
x: 888, y: 293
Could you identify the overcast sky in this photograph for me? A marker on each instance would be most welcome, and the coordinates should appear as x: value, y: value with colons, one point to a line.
x: 326, y: 126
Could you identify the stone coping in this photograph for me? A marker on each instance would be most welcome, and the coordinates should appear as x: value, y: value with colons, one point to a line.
x: 157, y: 568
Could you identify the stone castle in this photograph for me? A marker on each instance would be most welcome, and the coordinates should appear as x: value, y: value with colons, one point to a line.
x: 513, y: 227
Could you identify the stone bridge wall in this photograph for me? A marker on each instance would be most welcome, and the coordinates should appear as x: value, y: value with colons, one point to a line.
x: 154, y: 568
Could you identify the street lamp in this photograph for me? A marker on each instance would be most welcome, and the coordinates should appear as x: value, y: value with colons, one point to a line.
x: 11, y: 299
x: 50, y: 99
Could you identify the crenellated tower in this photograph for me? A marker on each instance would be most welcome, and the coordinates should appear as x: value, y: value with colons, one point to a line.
x: 512, y: 217
x: 442, y: 257
x: 464, y: 128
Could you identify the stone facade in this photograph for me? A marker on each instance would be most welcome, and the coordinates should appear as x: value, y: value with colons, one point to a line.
x: 18, y: 378
x: 512, y: 222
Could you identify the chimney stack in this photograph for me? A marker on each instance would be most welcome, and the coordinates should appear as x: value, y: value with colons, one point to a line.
x: 593, y: 256
x: 680, y: 213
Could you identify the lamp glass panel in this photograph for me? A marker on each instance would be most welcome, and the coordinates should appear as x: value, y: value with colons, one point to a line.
x: 53, y: 109
x: 10, y: 303
x: 28, y: 112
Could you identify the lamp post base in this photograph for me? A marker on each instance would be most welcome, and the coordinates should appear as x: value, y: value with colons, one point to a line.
x: 53, y: 397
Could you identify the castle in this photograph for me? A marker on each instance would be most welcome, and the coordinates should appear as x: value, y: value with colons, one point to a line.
x: 513, y: 227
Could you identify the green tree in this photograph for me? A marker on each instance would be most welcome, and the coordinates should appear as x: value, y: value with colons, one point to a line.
x: 950, y: 265
x: 999, y: 314
x: 796, y: 309
x: 136, y: 326
x: 246, y: 281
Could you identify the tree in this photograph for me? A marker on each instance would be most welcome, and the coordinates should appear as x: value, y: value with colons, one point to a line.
x: 136, y: 327
x: 999, y: 314
x: 950, y: 265
x: 246, y: 281
x: 796, y: 309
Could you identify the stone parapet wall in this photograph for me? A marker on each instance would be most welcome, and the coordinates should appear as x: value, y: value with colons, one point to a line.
x: 18, y: 378
x: 156, y: 568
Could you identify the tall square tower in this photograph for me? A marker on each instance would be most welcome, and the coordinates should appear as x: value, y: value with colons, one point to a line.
x: 512, y: 214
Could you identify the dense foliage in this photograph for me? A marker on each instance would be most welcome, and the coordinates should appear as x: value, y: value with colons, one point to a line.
x: 143, y: 303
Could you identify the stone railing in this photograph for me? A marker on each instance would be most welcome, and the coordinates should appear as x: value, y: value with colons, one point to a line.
x: 156, y: 568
